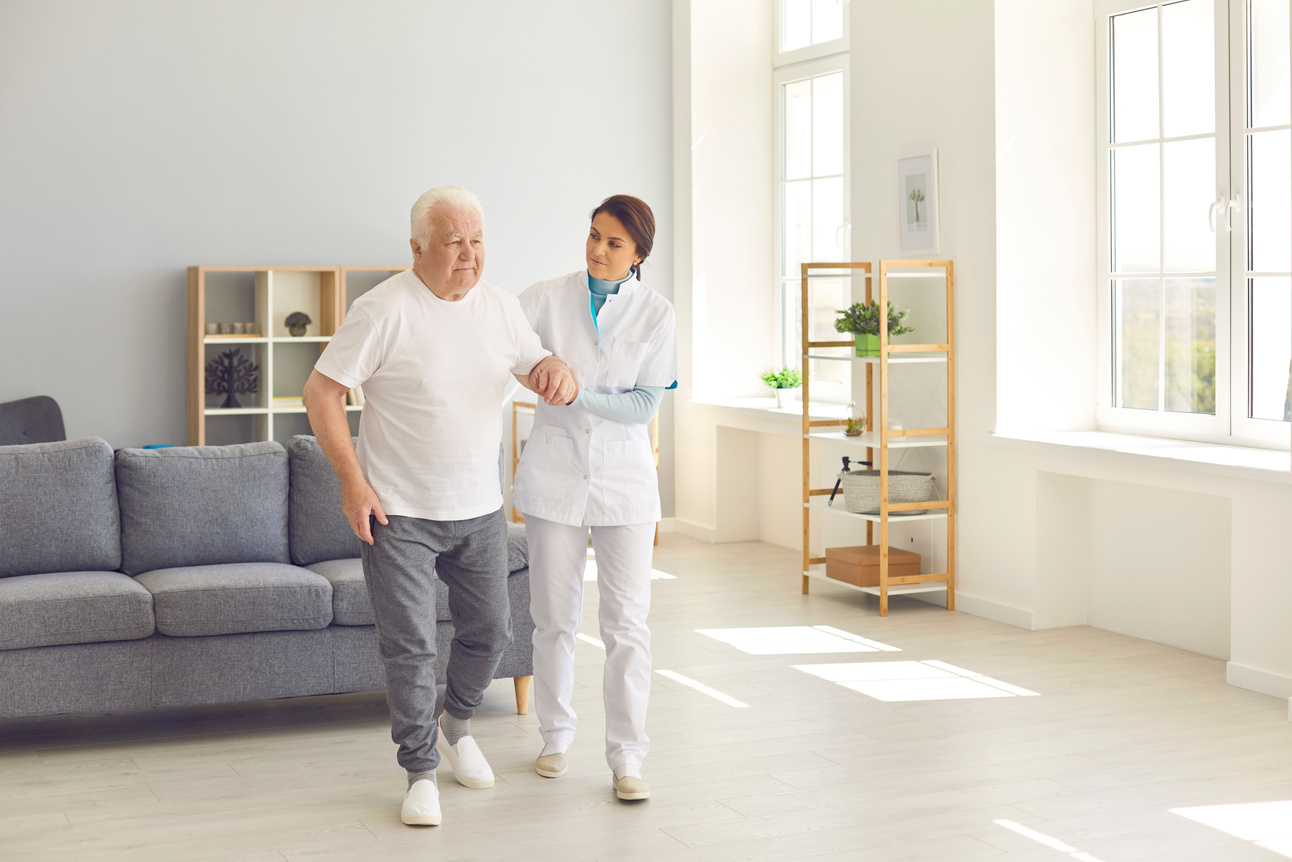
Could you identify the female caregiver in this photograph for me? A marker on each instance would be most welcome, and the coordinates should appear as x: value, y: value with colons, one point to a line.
x: 588, y: 466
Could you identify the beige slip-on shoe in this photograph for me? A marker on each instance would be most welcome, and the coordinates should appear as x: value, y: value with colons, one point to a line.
x: 552, y: 765
x: 630, y: 789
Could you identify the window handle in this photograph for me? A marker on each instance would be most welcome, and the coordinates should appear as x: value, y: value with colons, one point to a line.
x: 1211, y: 211
x: 1233, y: 205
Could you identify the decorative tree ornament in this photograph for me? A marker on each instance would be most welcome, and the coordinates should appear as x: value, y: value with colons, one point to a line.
x: 231, y: 374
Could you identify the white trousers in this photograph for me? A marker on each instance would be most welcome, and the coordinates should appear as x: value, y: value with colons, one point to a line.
x: 557, y: 559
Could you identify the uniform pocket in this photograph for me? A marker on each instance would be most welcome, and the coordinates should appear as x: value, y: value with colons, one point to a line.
x: 625, y: 363
x: 545, y: 467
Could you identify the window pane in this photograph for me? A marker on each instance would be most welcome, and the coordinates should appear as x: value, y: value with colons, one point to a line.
x: 796, y: 24
x: 827, y: 219
x: 828, y: 296
x: 797, y: 222
x: 798, y: 130
x: 1188, y: 68
x: 1271, y: 310
x: 1190, y: 169
x: 827, y: 20
x: 1137, y: 308
x: 827, y: 124
x: 1191, y: 345
x: 1268, y: 70
x: 1134, y: 53
x: 1136, y: 208
x: 1269, y: 204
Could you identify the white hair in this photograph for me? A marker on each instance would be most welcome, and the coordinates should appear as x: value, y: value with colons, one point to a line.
x: 444, y: 196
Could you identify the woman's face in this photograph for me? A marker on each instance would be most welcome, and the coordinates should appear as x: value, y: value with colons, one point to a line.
x: 611, y: 253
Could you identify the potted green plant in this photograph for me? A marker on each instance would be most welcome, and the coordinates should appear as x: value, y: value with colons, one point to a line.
x: 856, y: 424
x: 784, y: 382
x: 296, y: 323
x: 862, y: 320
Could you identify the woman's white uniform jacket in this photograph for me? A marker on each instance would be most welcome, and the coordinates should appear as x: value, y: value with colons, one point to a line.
x: 577, y: 468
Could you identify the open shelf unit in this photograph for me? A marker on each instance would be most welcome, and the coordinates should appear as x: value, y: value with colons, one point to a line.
x: 260, y: 298
x: 879, y: 440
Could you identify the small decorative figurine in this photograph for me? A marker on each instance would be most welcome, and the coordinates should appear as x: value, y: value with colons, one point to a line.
x: 231, y: 374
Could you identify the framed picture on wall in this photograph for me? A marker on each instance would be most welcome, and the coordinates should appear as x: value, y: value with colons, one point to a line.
x: 917, y: 203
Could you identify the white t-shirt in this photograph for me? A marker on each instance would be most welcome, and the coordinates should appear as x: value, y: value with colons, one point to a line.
x: 433, y: 374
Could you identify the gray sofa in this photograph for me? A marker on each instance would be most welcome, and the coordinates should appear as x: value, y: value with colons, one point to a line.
x: 191, y: 575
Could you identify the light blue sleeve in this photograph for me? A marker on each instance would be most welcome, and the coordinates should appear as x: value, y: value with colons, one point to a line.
x: 636, y: 407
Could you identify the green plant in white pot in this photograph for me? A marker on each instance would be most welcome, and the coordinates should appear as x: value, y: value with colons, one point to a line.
x: 784, y: 382
x: 862, y: 320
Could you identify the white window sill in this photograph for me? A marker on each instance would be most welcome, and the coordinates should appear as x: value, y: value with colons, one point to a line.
x: 1268, y: 465
x: 762, y: 414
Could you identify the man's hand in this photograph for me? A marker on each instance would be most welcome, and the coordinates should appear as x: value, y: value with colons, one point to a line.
x: 555, y: 381
x: 359, y: 502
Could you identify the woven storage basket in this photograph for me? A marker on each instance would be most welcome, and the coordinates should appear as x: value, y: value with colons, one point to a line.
x: 861, y: 490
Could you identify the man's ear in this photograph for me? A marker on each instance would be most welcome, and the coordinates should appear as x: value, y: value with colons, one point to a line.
x: 417, y: 249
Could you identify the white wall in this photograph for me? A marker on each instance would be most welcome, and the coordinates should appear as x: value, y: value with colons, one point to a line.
x: 142, y: 136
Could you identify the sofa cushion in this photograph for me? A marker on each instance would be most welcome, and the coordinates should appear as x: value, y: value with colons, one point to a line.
x: 517, y: 548
x: 202, y: 505
x: 58, y: 508
x: 58, y: 608
x: 350, y: 603
x: 316, y: 523
x: 231, y: 598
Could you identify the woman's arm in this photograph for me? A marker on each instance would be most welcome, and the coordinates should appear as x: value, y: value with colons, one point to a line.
x: 636, y: 407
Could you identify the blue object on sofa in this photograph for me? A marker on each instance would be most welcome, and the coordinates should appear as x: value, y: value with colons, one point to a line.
x: 180, y: 576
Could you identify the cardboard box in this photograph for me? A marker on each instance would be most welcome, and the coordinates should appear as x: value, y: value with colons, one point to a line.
x: 859, y: 565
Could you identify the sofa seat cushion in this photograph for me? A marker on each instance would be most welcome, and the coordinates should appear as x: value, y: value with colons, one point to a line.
x: 60, y: 608
x: 58, y: 508
x: 202, y: 505
x: 350, y: 603
x: 232, y: 598
x: 517, y: 548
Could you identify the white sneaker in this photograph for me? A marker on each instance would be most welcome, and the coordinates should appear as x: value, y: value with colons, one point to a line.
x: 421, y: 804
x: 467, y: 761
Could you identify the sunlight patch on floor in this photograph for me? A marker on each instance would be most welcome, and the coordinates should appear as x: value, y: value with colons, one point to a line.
x: 1267, y: 824
x: 894, y: 681
x: 590, y: 573
x: 702, y: 688
x: 1046, y: 840
x: 795, y: 640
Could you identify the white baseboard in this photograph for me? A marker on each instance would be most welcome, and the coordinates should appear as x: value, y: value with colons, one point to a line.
x: 1257, y: 680
x: 703, y: 532
x: 990, y: 609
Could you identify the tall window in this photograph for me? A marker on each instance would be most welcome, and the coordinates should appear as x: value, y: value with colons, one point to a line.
x: 1195, y: 239
x: 811, y: 97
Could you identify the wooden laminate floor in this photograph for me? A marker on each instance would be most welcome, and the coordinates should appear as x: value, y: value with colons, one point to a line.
x: 1091, y: 746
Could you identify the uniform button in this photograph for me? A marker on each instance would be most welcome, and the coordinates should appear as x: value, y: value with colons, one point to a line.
x: 585, y: 477
x: 587, y: 430
x: 595, y: 343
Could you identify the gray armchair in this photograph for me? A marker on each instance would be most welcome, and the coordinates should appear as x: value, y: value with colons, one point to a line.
x: 31, y: 420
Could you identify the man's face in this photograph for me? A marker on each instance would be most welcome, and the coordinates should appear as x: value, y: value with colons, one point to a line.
x: 453, y: 263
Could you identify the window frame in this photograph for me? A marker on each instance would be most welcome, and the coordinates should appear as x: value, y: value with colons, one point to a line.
x: 1218, y: 428
x: 810, y: 52
x: 837, y: 62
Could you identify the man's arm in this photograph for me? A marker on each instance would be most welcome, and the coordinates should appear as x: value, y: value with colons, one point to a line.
x: 326, y: 411
x: 552, y: 379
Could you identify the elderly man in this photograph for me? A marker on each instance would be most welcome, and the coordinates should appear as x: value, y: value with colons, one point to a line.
x: 432, y: 348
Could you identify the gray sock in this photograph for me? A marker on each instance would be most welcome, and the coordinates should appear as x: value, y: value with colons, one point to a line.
x: 414, y: 777
x: 454, y: 728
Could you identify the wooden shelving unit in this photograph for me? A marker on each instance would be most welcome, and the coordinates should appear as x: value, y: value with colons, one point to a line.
x: 262, y: 296
x: 879, y: 442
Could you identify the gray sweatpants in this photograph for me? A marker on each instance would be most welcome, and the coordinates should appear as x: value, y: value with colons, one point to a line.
x: 471, y: 559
